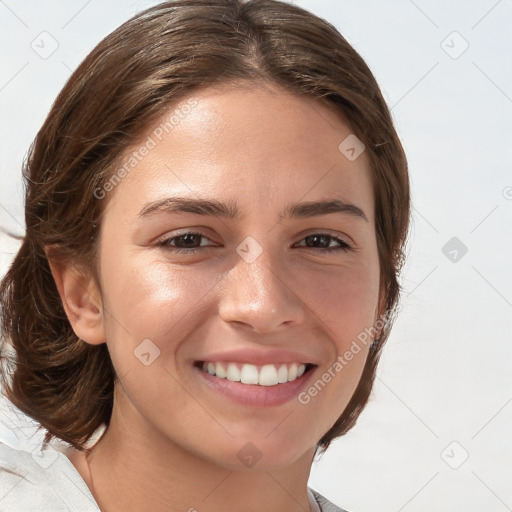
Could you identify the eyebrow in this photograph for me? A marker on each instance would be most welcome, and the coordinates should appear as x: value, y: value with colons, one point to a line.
x: 214, y: 208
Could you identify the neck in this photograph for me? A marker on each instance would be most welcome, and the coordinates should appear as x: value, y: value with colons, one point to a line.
x: 133, y: 468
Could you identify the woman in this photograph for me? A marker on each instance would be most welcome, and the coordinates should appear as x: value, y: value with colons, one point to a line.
x: 216, y: 210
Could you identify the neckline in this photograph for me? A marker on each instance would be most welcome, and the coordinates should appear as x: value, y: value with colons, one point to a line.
x: 84, y: 488
x: 72, y: 471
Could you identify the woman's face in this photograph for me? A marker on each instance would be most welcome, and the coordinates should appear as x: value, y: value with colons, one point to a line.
x: 251, y: 292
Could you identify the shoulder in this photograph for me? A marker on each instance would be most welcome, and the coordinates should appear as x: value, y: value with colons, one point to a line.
x: 47, y: 481
x: 41, y: 480
x: 324, y: 504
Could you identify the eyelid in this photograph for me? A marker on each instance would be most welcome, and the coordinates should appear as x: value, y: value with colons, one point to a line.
x: 314, y: 231
x: 172, y: 236
x: 341, y: 238
x: 347, y: 245
x: 330, y: 232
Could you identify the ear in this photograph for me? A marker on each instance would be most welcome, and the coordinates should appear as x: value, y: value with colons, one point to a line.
x: 81, y: 300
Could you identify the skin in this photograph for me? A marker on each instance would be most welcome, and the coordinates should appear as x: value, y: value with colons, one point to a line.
x: 172, y: 443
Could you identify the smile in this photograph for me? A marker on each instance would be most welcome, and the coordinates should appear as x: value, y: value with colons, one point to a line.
x: 266, y: 375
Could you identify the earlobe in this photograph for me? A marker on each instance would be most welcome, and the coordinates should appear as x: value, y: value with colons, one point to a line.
x: 81, y: 301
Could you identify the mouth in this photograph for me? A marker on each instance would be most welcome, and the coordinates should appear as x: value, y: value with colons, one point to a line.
x: 267, y: 375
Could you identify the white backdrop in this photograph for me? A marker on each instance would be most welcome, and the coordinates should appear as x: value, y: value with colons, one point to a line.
x: 434, y: 436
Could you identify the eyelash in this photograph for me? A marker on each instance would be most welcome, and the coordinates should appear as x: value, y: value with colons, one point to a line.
x: 181, y: 250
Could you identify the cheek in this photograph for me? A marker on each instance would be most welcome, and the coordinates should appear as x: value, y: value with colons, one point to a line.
x: 345, y: 306
x: 343, y: 299
x: 156, y: 301
x: 152, y: 298
x: 148, y: 297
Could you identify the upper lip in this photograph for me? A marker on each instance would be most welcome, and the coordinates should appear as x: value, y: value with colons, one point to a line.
x: 259, y: 357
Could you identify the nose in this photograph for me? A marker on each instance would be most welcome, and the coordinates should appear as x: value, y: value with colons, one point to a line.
x: 259, y: 296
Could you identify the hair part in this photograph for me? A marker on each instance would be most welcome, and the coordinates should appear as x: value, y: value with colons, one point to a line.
x: 129, y: 80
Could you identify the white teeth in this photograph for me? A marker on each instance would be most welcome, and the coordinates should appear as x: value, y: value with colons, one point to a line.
x: 292, y: 372
x: 266, y: 375
x: 220, y: 371
x: 249, y: 374
x: 282, y: 374
x: 233, y: 373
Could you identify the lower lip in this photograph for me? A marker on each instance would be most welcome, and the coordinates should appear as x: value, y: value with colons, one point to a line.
x: 254, y: 394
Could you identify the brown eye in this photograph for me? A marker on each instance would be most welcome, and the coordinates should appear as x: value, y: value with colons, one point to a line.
x: 324, y: 239
x: 186, y: 242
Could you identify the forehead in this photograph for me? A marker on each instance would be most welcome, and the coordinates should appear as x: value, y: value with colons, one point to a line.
x: 260, y: 144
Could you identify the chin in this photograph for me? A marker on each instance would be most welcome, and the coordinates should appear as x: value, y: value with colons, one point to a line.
x: 260, y: 454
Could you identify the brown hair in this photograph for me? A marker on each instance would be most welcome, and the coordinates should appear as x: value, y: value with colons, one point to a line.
x: 127, y: 82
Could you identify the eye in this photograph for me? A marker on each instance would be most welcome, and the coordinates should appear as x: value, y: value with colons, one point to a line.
x: 186, y: 239
x: 187, y: 243
x: 325, y: 239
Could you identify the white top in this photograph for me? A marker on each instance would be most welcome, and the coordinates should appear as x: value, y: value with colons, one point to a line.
x: 47, y: 481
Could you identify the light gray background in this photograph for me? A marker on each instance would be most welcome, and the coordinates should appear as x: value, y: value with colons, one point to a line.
x: 444, y: 386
